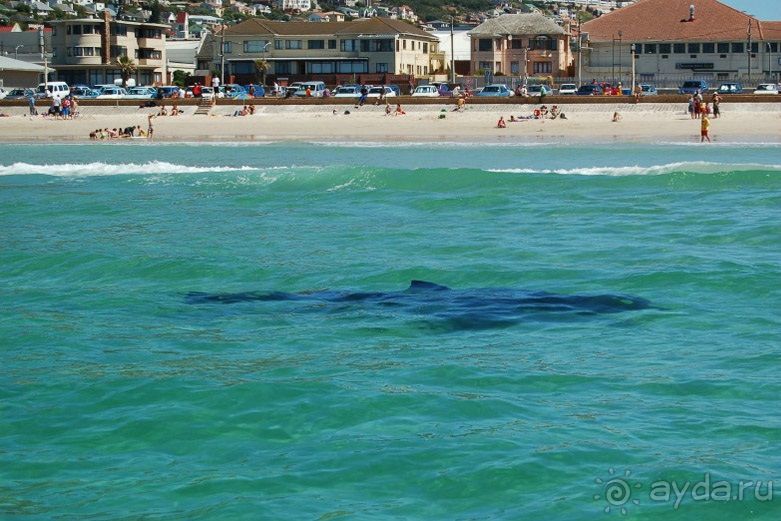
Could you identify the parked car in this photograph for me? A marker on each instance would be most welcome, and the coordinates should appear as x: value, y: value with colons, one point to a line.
x: 316, y: 89
x: 539, y: 90
x: 647, y: 89
x: 376, y: 92
x: 694, y: 86
x: 730, y: 88
x: 235, y: 91
x: 568, y: 89
x: 168, y: 90
x: 3, y: 93
x: 19, y: 94
x: 141, y: 93
x: 82, y: 91
x: 53, y: 88
x: 347, y: 91
x: 395, y: 88
x: 766, y: 88
x: 497, y: 90
x: 425, y: 91
x: 589, y: 90
x: 112, y: 93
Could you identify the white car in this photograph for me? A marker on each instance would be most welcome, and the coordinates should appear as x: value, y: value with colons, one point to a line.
x: 376, y: 92
x: 347, y: 91
x: 766, y: 88
x: 568, y: 89
x: 3, y: 93
x: 112, y: 93
x: 425, y: 91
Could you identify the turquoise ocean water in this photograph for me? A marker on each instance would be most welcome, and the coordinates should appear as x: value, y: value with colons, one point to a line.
x: 119, y: 399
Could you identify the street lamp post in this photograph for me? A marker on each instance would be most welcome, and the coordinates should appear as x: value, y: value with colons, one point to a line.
x: 620, y: 57
x: 16, y: 51
x: 632, y: 54
x: 452, y: 53
x: 222, y: 55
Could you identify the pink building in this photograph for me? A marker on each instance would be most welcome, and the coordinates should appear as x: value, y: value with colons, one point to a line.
x: 521, y: 45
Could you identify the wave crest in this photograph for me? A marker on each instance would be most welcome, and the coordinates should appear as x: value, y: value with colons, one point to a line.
x: 106, y: 169
x: 695, y: 167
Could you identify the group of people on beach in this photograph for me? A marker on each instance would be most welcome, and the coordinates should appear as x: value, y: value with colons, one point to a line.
x: 540, y: 113
x: 117, y: 133
x: 59, y: 108
x: 698, y: 107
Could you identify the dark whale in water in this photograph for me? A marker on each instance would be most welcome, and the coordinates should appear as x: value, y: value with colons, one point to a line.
x: 456, y: 308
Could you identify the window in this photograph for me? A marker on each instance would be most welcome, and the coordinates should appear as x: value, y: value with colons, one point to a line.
x: 150, y: 54
x: 88, y: 29
x: 118, y: 30
x: 68, y: 30
x: 515, y: 68
x: 404, y: 44
x: 149, y: 33
x: 425, y: 48
x: 76, y: 29
x: 485, y: 66
x: 282, y: 68
x: 517, y: 43
x: 754, y: 46
x: 485, y: 44
x: 293, y: 44
x: 737, y: 48
x: 381, y: 67
x: 118, y: 50
x: 320, y: 67
x: 350, y: 66
x: 773, y: 47
x: 650, y: 48
x: 279, y: 44
x: 227, y: 47
x: 377, y: 45
x: 543, y: 43
x: 254, y: 46
x: 722, y: 48
x: 243, y: 67
x: 679, y: 48
x: 708, y: 48
x: 348, y: 45
x: 694, y: 48
x: 542, y: 67
x: 665, y: 48
x: 332, y: 44
x: 315, y: 44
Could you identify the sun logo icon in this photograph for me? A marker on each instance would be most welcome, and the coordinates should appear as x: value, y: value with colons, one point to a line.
x: 616, y: 491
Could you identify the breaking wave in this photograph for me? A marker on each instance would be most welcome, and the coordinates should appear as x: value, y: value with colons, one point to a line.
x: 699, y: 167
x: 106, y: 169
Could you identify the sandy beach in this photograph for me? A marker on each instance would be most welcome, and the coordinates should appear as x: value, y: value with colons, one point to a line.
x: 646, y: 123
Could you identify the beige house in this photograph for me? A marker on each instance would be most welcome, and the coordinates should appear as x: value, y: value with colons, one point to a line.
x: 521, y: 45
x: 366, y: 46
x: 17, y: 73
x: 84, y: 50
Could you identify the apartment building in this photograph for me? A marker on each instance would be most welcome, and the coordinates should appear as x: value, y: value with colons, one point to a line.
x: 84, y: 50
x: 521, y: 45
x: 677, y: 39
x: 375, y: 45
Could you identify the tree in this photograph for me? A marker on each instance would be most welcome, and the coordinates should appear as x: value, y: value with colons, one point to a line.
x: 126, y: 68
x: 155, y: 16
x: 181, y: 78
x: 261, y: 68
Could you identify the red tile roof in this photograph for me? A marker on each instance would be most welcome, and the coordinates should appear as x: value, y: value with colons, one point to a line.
x: 668, y: 20
x: 6, y: 28
x: 772, y: 31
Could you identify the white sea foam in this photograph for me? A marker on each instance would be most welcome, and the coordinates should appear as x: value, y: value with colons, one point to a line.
x: 106, y: 169
x: 697, y: 167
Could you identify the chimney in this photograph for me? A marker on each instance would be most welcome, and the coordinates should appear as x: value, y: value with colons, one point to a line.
x: 105, y: 38
x: 691, y: 12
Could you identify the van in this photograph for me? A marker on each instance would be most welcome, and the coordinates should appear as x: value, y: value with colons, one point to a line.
x: 693, y: 87
x: 316, y: 88
x: 48, y: 90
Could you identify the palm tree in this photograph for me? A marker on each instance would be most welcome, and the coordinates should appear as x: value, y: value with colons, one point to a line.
x: 261, y: 66
x: 126, y: 68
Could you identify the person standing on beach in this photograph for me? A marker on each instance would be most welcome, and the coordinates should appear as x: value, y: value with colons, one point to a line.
x: 31, y: 104
x: 716, y: 101
x: 150, y: 129
x: 704, y: 128
x: 216, y: 83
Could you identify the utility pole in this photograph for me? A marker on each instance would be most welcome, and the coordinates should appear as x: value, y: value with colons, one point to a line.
x: 452, y: 52
x: 580, y: 54
x: 43, y: 57
x: 632, y: 53
x: 222, y: 55
x: 748, y: 51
